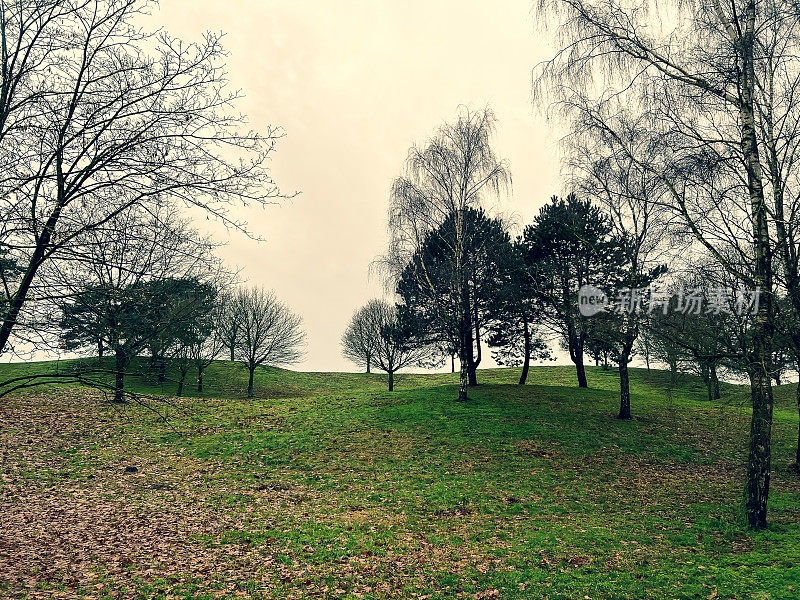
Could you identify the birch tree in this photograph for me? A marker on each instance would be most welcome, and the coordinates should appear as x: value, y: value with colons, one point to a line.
x: 631, y: 198
x: 716, y: 79
x: 454, y: 171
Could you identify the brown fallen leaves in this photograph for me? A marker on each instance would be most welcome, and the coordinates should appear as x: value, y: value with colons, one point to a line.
x: 100, y: 530
x: 74, y: 524
x: 76, y: 521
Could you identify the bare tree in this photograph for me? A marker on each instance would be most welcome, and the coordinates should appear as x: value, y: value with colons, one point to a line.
x: 30, y: 38
x: 702, y: 341
x: 362, y: 334
x: 394, y: 346
x: 228, y: 325
x: 96, y: 116
x: 632, y: 198
x: 270, y: 334
x: 455, y: 171
x: 707, y: 75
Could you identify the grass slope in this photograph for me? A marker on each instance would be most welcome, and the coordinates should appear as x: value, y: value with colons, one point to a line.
x: 328, y: 486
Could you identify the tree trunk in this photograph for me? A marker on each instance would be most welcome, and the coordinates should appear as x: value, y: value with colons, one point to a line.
x: 624, y: 390
x: 232, y: 356
x: 580, y: 371
x: 758, y: 464
x: 15, y: 302
x: 368, y: 362
x: 463, y: 382
x: 464, y: 327
x: 477, y: 324
x: 467, y: 358
x: 119, y: 385
x: 452, y: 363
x: 252, y: 370
x: 706, y: 375
x: 715, y: 381
x: 182, y: 380
x: 391, y: 381
x: 100, y: 349
x: 797, y: 458
x: 472, y: 375
x: 575, y: 344
x: 624, y: 381
x: 463, y: 379
x: 472, y: 366
x: 527, y: 358
x: 200, y: 370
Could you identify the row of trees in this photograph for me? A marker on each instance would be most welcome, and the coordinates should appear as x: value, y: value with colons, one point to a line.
x: 185, y: 322
x: 462, y: 281
x: 107, y: 132
x: 698, y: 99
x: 517, y: 295
x: 149, y: 284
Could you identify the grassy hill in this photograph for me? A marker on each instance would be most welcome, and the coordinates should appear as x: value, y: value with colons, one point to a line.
x: 326, y: 485
x: 225, y: 379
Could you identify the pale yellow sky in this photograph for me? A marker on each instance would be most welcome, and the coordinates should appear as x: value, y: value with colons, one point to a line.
x: 354, y: 84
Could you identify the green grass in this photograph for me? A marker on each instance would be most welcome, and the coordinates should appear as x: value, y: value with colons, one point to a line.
x: 327, y: 485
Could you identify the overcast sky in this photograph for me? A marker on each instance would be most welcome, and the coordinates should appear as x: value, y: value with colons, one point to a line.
x: 354, y: 84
